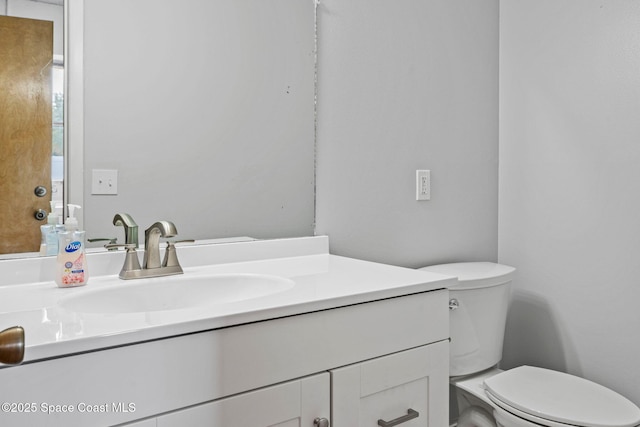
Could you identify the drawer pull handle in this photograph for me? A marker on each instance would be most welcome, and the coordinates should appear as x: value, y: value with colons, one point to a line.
x: 12, y: 345
x: 411, y: 414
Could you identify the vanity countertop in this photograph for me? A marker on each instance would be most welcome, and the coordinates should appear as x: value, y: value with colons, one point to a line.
x: 320, y: 281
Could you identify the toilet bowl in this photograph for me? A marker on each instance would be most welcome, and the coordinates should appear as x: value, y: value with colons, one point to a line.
x: 528, y: 396
x: 525, y: 396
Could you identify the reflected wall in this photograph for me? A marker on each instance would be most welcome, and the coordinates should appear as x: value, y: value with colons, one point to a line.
x: 206, y: 110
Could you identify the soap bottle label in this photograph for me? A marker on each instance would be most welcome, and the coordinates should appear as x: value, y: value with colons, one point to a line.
x: 73, y: 271
x: 72, y: 262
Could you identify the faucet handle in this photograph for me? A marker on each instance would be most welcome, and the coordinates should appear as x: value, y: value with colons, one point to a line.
x: 111, y: 240
x: 114, y: 246
x: 170, y: 254
x: 178, y: 242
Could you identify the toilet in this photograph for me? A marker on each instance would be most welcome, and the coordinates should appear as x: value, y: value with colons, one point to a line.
x: 525, y: 396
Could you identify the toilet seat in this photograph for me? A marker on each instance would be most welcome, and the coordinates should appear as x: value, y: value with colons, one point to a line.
x: 548, y: 397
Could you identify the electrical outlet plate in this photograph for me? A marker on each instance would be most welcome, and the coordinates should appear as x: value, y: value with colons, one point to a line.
x: 423, y: 184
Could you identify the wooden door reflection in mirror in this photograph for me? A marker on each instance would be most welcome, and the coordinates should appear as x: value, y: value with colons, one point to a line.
x: 26, y: 49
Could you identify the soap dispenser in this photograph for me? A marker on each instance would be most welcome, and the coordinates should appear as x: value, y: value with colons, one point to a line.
x: 71, y: 224
x: 52, y: 218
x: 45, y: 231
x: 50, y: 232
x: 72, y: 261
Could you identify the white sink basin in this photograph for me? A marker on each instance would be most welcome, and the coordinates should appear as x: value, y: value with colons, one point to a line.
x: 175, y: 293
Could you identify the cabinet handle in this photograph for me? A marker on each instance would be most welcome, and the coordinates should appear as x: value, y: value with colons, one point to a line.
x: 320, y: 422
x: 12, y: 345
x: 411, y: 414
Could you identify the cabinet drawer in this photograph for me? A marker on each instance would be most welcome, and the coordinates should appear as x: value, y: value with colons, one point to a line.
x: 410, y: 386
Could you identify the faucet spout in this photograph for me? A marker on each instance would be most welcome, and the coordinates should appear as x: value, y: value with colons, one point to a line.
x: 152, y: 242
x: 130, y: 228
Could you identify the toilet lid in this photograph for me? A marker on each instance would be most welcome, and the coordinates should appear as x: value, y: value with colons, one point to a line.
x: 473, y: 275
x: 563, y: 398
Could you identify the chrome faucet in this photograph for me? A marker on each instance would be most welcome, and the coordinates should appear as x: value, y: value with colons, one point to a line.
x: 151, y: 266
x: 130, y: 228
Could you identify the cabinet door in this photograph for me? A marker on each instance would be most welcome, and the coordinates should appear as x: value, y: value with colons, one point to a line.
x: 409, y: 387
x: 293, y: 404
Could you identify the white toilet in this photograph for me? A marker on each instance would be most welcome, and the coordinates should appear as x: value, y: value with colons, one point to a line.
x: 521, y: 397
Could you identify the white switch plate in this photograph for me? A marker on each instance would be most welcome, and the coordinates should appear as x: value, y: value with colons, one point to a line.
x: 104, y: 181
x: 423, y: 184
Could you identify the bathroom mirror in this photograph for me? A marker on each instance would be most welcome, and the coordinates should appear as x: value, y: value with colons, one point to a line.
x: 204, y: 110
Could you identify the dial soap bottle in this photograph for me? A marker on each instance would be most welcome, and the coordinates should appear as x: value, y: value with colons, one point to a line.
x: 72, y: 260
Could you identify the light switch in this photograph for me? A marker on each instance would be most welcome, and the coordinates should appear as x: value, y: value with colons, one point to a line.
x: 104, y: 181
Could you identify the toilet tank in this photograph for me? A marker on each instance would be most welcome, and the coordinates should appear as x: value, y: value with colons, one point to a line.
x: 478, y: 313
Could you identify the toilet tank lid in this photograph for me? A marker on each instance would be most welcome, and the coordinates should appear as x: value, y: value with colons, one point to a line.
x: 474, y: 274
x: 563, y: 398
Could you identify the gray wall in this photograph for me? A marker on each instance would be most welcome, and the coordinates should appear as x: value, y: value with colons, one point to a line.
x: 570, y: 186
x: 206, y: 109
x: 406, y: 85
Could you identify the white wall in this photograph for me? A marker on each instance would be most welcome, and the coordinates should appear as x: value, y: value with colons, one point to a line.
x: 406, y: 85
x: 570, y: 186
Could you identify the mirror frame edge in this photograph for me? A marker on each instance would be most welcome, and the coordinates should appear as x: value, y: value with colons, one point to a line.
x: 74, y: 106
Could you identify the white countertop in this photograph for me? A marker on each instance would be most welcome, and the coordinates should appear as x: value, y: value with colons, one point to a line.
x: 320, y: 281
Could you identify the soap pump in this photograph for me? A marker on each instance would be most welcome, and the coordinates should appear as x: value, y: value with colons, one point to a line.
x: 50, y: 232
x: 52, y: 218
x: 71, y: 224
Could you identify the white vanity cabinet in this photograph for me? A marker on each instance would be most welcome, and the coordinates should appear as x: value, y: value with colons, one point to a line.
x: 355, y: 364
x: 292, y: 404
x: 408, y: 388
